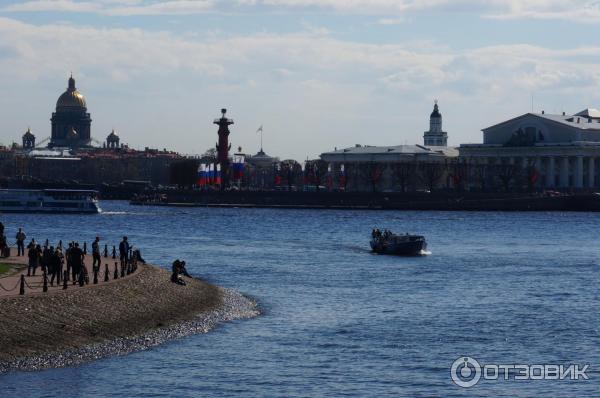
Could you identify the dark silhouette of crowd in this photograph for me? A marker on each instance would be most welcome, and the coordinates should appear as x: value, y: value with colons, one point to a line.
x: 59, y: 262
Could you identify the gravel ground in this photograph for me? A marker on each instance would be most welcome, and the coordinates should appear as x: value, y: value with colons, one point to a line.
x: 80, y: 325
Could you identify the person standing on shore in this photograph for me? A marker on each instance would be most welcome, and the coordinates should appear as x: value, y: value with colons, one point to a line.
x: 20, y: 242
x: 55, y: 267
x: 46, y: 256
x: 76, y: 262
x: 96, y: 254
x: 124, y: 251
x: 33, y: 255
x: 69, y: 260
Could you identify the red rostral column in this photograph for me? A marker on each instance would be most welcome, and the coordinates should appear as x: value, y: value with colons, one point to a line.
x: 223, y: 147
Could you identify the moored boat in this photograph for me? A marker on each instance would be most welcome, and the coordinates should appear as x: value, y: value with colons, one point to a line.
x: 401, y: 245
x: 48, y: 201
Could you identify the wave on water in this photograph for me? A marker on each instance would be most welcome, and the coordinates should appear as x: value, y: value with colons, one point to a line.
x: 425, y: 253
x: 114, y: 213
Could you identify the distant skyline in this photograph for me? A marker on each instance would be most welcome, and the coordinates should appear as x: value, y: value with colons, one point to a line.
x: 317, y: 74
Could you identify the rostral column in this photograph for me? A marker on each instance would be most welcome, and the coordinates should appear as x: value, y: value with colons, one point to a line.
x: 223, y: 147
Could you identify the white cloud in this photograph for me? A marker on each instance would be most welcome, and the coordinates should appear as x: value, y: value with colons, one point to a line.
x: 114, y: 7
x: 390, y: 11
x: 391, y: 21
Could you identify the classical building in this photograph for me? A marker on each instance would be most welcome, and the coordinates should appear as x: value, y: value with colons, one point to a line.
x: 549, y: 151
x: 71, y: 122
x: 386, y: 163
x: 435, y: 136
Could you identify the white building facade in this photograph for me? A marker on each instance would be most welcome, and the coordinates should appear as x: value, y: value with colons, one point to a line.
x: 556, y: 151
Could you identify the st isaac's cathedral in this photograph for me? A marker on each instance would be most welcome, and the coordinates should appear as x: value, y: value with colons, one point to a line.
x: 71, y: 121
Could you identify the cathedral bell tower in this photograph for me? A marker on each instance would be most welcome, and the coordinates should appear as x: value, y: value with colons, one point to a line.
x: 435, y: 136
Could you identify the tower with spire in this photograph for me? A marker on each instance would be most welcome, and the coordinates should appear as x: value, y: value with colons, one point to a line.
x: 435, y: 136
x: 223, y: 147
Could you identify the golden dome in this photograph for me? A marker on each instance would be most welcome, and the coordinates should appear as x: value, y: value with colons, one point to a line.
x: 71, y: 98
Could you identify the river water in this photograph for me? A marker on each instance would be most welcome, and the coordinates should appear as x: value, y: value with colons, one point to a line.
x: 503, y: 288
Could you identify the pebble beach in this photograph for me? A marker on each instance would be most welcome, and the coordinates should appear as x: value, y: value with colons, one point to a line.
x: 79, y: 325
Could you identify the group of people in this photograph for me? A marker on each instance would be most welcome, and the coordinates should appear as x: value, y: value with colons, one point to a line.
x: 179, y: 272
x: 55, y: 260
x: 377, y: 234
x: 52, y: 261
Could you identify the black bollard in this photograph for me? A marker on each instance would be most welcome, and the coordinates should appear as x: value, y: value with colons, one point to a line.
x: 22, y: 290
x: 60, y: 244
x: 47, y: 243
x: 116, y: 275
x: 106, y: 273
x: 114, y: 252
x: 65, y: 278
x: 105, y: 250
x: 95, y: 276
x: 84, y: 247
x: 45, y: 288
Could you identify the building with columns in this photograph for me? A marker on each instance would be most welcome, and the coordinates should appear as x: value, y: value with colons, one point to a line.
x: 550, y: 151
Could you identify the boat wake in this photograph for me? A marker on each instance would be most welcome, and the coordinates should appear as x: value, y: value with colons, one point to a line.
x: 424, y: 253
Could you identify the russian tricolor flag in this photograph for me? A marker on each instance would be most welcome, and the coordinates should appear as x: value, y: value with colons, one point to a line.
x: 238, y: 167
x: 201, y: 181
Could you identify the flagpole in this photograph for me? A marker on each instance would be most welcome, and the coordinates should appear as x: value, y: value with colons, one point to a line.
x: 261, y: 134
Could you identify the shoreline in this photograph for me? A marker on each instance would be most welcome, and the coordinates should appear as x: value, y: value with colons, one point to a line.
x: 28, y: 337
x: 415, y: 201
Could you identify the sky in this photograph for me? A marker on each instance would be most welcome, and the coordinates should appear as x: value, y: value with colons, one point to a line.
x: 316, y: 74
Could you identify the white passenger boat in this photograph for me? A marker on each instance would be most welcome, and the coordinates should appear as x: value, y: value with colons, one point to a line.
x: 48, y: 201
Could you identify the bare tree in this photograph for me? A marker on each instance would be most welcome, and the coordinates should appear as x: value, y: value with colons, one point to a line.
x: 403, y: 174
x: 372, y: 174
x: 507, y: 173
x: 430, y: 174
x: 459, y: 174
x: 480, y: 174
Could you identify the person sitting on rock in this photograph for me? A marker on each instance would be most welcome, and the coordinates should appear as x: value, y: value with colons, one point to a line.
x: 176, y: 275
x: 138, y: 254
x: 182, y: 269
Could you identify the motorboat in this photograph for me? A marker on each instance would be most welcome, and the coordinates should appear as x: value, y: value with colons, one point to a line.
x: 401, y: 245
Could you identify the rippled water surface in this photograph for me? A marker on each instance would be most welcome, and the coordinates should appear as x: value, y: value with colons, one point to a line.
x: 339, y: 321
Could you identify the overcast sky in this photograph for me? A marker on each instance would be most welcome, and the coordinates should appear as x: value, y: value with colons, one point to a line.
x: 317, y: 74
